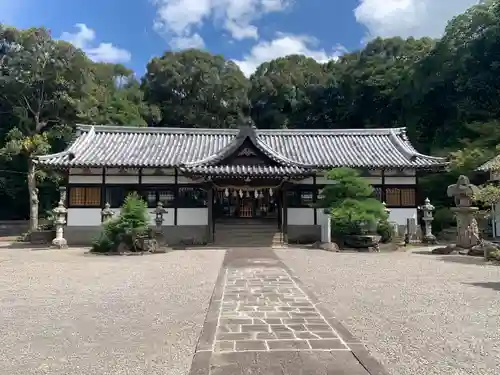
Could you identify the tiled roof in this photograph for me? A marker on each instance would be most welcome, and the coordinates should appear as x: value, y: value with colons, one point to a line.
x: 245, y: 170
x: 490, y: 165
x: 115, y: 146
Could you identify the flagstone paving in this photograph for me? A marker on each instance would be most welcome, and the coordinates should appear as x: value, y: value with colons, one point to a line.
x: 261, y: 320
x: 263, y: 309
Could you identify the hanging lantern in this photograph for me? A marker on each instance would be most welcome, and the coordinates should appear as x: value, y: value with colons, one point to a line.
x: 241, y: 193
x: 270, y: 192
x: 248, y: 194
x: 235, y: 193
x: 261, y: 196
x: 226, y: 192
x: 256, y: 195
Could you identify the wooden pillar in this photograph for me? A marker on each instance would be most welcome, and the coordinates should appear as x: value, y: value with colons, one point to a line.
x: 315, y: 199
x: 285, y: 214
x: 103, y: 188
x: 210, y: 205
x: 382, y: 192
x: 176, y: 195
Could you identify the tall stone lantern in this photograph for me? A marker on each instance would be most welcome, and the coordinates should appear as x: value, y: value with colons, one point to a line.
x: 467, y: 229
x: 60, y: 220
x: 427, y: 208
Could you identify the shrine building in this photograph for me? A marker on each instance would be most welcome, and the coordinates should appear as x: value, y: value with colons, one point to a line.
x: 208, y: 177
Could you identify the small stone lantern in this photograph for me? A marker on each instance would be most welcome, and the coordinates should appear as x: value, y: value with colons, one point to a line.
x: 427, y: 209
x: 106, y: 213
x: 159, y: 216
x: 60, y: 220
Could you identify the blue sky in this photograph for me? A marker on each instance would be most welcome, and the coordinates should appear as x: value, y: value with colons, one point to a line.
x: 246, y: 31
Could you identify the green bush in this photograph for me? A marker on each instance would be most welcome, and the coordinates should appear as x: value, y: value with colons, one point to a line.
x: 443, y: 218
x: 352, y: 204
x: 132, y: 221
x: 385, y: 230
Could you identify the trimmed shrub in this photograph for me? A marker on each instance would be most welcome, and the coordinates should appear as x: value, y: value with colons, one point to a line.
x: 120, y: 231
x: 353, y: 206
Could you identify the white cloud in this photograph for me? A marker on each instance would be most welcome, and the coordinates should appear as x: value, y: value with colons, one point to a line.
x: 182, y: 19
x: 285, y: 45
x: 103, y: 52
x: 405, y: 18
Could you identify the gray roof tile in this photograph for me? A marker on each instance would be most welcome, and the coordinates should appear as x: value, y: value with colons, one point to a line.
x: 115, y: 146
x: 245, y: 170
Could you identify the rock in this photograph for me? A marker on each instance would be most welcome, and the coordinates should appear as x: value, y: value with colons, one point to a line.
x: 445, y: 250
x: 329, y: 246
x: 362, y: 241
x: 479, y: 250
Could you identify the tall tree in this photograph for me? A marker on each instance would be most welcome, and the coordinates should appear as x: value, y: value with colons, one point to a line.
x: 193, y: 88
x: 41, y: 81
x: 278, y: 92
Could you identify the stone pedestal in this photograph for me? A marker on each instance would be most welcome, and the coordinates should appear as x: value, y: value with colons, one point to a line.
x: 427, y: 208
x: 467, y: 228
x: 59, y: 222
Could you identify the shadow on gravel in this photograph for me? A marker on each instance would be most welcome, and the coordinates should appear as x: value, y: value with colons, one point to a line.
x: 463, y: 259
x: 489, y: 285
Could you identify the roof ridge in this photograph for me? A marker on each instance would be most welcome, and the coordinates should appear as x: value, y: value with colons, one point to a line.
x: 350, y: 131
x: 407, y: 149
x: 153, y: 130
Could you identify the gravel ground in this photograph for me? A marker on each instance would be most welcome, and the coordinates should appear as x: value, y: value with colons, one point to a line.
x: 418, y: 314
x: 63, y: 312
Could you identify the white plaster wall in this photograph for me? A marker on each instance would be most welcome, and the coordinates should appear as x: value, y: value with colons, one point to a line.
x: 300, y: 216
x: 158, y: 179
x: 399, y: 215
x: 110, y: 179
x: 86, y: 171
x: 410, y: 180
x: 192, y: 216
x: 151, y: 171
x: 90, y: 179
x: 374, y: 180
x: 84, y: 217
x: 168, y: 217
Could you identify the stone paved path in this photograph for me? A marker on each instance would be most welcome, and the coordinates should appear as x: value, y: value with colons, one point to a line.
x: 264, y: 309
x: 261, y: 320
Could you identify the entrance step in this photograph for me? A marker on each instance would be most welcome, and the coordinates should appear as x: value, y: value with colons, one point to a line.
x: 247, y: 235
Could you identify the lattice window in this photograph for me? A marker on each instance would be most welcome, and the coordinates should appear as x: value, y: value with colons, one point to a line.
x: 400, y: 197
x: 166, y: 197
x: 192, y: 197
x: 85, y: 196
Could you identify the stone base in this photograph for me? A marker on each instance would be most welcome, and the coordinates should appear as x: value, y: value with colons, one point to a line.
x: 172, y: 235
x: 59, y: 243
x: 304, y: 234
x: 429, y: 240
x: 327, y: 246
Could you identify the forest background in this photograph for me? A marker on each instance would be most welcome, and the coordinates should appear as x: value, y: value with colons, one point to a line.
x: 446, y: 92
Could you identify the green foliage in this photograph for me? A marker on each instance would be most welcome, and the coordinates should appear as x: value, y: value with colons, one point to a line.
x: 443, y: 218
x: 385, y: 231
x: 133, y: 221
x: 352, y: 205
x: 488, y: 194
x: 444, y: 91
x: 196, y: 89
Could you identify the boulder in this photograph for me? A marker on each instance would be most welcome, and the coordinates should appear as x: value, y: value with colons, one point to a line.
x: 445, y: 250
x: 479, y: 249
x: 362, y: 241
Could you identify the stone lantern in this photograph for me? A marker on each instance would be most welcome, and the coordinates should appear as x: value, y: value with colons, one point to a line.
x: 106, y: 213
x: 159, y: 212
x: 427, y: 210
x: 60, y: 220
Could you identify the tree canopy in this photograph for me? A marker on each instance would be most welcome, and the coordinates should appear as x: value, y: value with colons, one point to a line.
x: 445, y: 91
